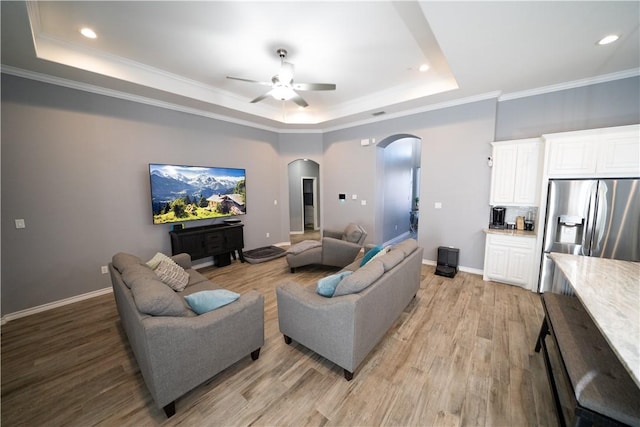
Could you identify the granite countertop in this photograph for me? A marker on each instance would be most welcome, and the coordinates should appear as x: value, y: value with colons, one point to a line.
x: 505, y: 232
x: 610, y: 292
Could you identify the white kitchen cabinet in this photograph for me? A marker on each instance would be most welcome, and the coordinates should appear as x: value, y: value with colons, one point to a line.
x: 510, y: 259
x: 595, y: 153
x: 515, y: 174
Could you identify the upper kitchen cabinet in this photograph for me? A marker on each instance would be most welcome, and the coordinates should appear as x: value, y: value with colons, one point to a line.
x: 515, y: 175
x: 596, y: 153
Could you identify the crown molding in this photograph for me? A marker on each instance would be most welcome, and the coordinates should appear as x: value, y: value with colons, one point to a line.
x: 571, y: 85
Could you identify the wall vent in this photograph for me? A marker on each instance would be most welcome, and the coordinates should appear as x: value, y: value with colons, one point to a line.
x: 378, y: 113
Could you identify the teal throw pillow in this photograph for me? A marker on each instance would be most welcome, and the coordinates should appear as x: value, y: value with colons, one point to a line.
x: 327, y: 285
x: 370, y: 254
x: 205, y: 301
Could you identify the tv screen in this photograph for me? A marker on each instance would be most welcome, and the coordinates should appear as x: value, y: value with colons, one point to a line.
x: 187, y: 193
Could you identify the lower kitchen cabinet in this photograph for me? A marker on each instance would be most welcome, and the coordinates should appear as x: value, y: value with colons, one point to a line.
x: 510, y: 259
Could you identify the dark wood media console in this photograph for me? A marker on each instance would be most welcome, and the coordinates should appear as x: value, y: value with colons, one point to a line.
x: 221, y: 241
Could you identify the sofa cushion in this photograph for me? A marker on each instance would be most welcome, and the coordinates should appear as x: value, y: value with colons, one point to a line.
x: 154, y: 262
x: 157, y: 299
x: 352, y: 233
x: 391, y: 259
x: 172, y: 274
x: 205, y: 301
x: 407, y: 246
x: 360, y: 279
x: 121, y: 260
x: 327, y: 285
x: 303, y: 246
x: 135, y: 272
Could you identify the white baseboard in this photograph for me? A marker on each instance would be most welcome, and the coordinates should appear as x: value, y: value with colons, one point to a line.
x: 55, y: 304
x: 461, y: 268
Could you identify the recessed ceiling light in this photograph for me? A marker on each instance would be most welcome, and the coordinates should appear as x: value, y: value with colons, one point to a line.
x: 88, y: 33
x: 423, y: 68
x: 608, y: 39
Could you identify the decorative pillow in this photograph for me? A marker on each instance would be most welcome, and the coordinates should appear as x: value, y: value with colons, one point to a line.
x: 370, y: 254
x: 172, y: 274
x: 157, y: 299
x: 360, y: 279
x: 391, y: 259
x: 327, y: 285
x: 135, y: 272
x: 205, y: 301
x: 352, y: 233
x: 121, y: 260
x: 154, y: 262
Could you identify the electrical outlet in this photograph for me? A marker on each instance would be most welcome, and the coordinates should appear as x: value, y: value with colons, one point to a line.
x: 268, y: 234
x: 20, y: 223
x: 104, y: 269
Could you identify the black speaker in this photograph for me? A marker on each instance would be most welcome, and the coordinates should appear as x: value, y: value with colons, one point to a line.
x: 447, y: 261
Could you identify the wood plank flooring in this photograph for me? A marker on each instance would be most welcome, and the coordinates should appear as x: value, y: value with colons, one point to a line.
x: 461, y: 354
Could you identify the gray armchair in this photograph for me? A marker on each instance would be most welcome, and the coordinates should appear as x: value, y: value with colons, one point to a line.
x: 336, y: 248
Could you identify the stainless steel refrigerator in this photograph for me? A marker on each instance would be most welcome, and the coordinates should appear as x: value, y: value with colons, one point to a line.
x: 599, y: 218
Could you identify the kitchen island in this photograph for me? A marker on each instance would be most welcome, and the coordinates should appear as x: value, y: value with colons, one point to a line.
x: 609, y: 290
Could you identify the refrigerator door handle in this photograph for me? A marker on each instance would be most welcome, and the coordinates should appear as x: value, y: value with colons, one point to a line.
x: 587, y: 237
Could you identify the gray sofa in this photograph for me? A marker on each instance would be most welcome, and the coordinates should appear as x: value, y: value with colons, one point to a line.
x: 345, y: 328
x: 175, y: 348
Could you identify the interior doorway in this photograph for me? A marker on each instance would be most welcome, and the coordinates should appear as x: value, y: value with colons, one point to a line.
x: 309, y: 201
x: 304, y: 199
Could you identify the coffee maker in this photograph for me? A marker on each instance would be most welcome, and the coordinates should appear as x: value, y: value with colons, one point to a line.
x: 498, y: 214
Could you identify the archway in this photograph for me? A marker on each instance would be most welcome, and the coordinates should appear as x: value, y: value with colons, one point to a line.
x: 399, y: 186
x: 304, y: 196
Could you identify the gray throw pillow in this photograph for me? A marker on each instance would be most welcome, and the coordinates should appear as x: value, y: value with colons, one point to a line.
x: 135, y: 272
x: 157, y: 299
x: 172, y: 274
x: 352, y: 233
x: 361, y: 279
x: 407, y: 246
x: 391, y: 259
x: 121, y: 260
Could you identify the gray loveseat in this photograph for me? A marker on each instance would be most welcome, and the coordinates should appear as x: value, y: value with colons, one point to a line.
x: 175, y: 348
x: 345, y: 328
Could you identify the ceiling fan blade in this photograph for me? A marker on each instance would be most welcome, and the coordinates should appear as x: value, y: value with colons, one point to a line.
x: 298, y: 100
x: 261, y: 97
x: 249, y: 81
x: 314, y: 86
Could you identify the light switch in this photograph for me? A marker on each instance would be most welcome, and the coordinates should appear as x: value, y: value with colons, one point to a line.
x: 354, y: 197
x: 363, y: 202
x: 438, y: 205
x: 20, y: 223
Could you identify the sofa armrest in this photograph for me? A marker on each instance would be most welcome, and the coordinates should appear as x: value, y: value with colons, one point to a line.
x: 324, y: 325
x: 183, y: 352
x: 183, y: 260
x: 335, y: 234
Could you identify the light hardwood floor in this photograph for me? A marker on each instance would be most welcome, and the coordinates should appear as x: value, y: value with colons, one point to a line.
x: 461, y: 354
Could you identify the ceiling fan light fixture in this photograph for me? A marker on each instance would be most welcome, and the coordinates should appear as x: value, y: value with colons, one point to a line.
x: 423, y: 68
x: 282, y: 93
x: 608, y: 39
x: 88, y: 33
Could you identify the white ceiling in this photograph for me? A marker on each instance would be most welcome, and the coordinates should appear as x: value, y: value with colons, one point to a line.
x: 178, y: 54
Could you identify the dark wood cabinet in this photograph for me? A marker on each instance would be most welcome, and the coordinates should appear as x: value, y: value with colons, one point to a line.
x: 221, y: 241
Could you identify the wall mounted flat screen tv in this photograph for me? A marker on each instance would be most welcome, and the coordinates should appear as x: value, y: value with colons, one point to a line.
x: 188, y: 193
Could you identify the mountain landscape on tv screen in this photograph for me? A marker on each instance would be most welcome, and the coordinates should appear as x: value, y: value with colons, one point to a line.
x: 182, y: 193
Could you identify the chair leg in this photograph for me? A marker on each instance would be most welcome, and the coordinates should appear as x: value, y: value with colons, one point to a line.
x: 170, y: 409
x: 293, y: 270
x: 255, y: 354
x: 287, y: 340
x: 348, y: 375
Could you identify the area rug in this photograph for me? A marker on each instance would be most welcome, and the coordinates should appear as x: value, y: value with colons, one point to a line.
x: 266, y: 253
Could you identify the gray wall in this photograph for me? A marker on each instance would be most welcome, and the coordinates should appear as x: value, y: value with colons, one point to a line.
x: 74, y: 166
x: 615, y: 103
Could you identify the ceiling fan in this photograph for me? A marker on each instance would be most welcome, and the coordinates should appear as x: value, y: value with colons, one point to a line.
x: 282, y: 85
